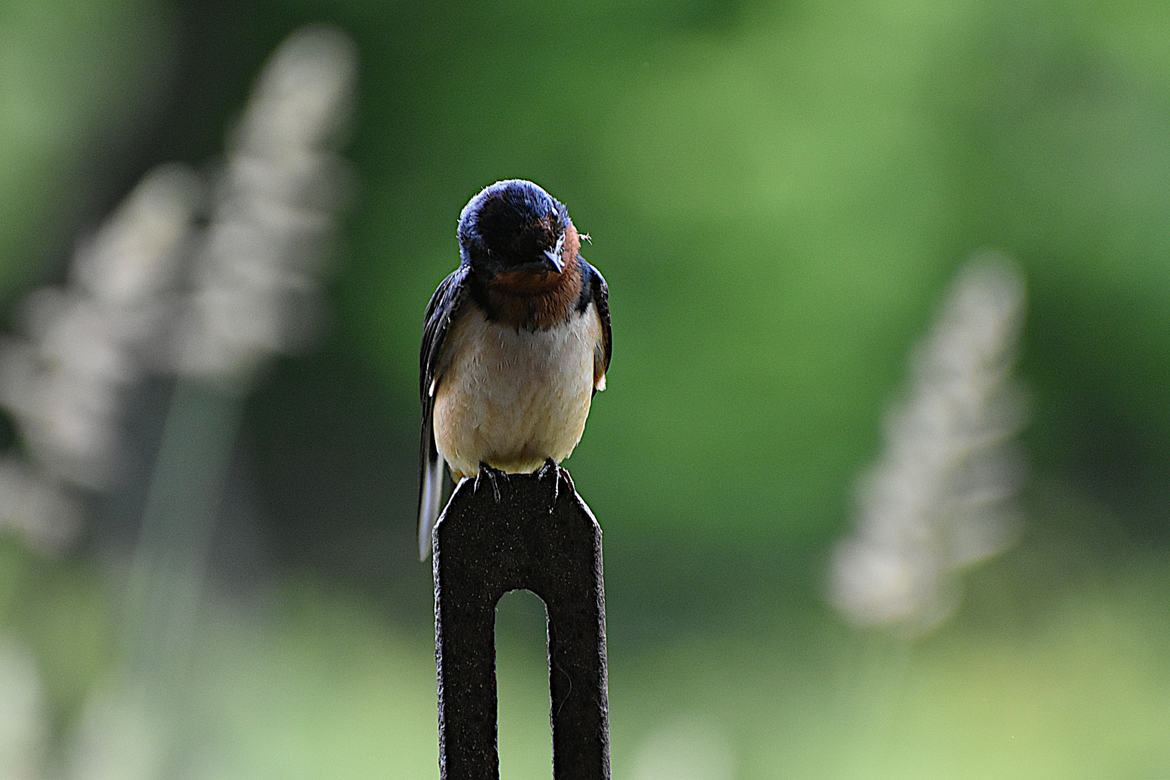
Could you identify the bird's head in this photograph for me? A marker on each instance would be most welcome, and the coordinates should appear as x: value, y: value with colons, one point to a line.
x: 515, y: 227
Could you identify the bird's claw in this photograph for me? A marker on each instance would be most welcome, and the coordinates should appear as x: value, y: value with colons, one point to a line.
x: 558, y: 473
x: 492, y: 476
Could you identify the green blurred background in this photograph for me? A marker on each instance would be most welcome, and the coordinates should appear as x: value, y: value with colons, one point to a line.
x: 778, y: 194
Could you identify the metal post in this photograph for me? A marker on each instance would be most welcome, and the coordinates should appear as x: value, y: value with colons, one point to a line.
x: 534, y: 537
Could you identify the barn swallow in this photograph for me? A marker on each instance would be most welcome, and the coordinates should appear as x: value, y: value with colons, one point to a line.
x: 516, y: 342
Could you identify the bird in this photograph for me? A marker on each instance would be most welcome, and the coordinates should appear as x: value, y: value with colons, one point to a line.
x: 516, y: 343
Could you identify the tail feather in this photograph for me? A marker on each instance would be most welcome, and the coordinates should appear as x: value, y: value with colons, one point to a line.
x: 430, y: 502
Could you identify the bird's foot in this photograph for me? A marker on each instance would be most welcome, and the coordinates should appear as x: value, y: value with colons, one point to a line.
x: 558, y: 473
x: 492, y: 476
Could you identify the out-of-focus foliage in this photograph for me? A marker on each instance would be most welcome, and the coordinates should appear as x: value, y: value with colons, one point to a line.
x: 778, y: 194
x: 76, y: 75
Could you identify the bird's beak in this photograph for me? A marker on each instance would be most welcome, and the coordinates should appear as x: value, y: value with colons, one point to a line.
x: 552, y: 257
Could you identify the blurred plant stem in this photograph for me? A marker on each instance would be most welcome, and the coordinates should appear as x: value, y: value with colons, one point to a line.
x: 199, y: 280
x: 254, y: 284
x: 170, y: 561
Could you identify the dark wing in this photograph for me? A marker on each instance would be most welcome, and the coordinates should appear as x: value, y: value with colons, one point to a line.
x: 441, y: 311
x: 596, y: 291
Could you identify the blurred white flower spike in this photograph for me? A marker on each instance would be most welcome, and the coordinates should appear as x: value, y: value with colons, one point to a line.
x: 256, y: 271
x: 201, y: 279
x: 67, y: 380
x: 941, y: 495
